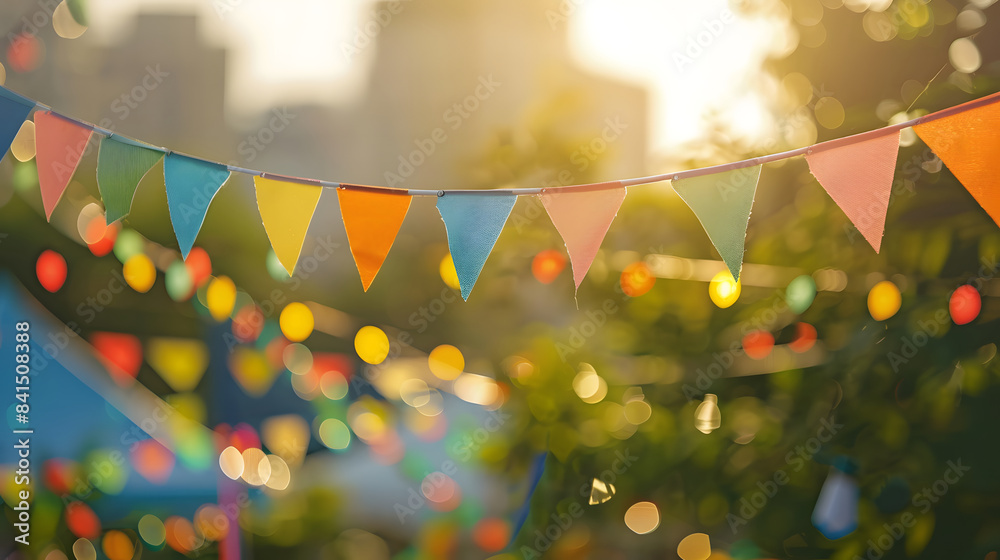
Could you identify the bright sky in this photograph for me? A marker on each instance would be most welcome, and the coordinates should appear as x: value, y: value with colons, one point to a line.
x: 298, y: 49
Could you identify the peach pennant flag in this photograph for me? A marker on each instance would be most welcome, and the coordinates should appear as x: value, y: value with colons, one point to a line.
x: 286, y: 208
x: 372, y: 220
x: 60, y: 144
x: 583, y: 219
x: 858, y: 177
x: 968, y: 143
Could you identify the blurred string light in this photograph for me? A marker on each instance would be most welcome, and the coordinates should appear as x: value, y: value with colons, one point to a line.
x: 83, y: 549
x: 800, y: 293
x: 181, y: 362
x: 805, y: 338
x: 296, y: 322
x: 221, y: 297
x: 548, y: 265
x: 181, y: 535
x: 179, y: 284
x: 23, y: 147
x: 82, y: 521
x: 448, y: 272
x: 637, y: 279
x: 588, y: 385
x: 724, y: 290
x: 334, y: 434
x: 51, y: 270
x: 372, y: 345
x: 758, y: 344
x: 152, y: 460
x: 491, y: 534
x: 601, y: 492
x: 199, y: 266
x: 151, y: 531
x: 964, y: 305
x: 446, y: 362
x: 117, y: 546
x: 211, y: 523
x: 25, y: 52
x: 231, y: 462
x: 139, y: 273
x: 128, y: 243
x: 286, y: 436
x: 696, y: 546
x: 642, y: 518
x: 884, y: 300
x: 64, y: 24
x: 708, y: 417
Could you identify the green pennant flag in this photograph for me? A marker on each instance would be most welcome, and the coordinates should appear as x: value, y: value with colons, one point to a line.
x: 722, y: 203
x: 121, y: 164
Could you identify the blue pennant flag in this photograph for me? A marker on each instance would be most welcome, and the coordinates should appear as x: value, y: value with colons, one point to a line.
x: 473, y: 222
x: 14, y: 109
x: 191, y: 185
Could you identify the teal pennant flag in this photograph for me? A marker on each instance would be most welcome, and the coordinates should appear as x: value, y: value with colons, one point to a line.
x: 191, y: 185
x: 473, y: 222
x: 722, y: 203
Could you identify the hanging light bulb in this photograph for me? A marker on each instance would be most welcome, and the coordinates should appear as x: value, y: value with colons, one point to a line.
x: 708, y: 418
x: 601, y: 492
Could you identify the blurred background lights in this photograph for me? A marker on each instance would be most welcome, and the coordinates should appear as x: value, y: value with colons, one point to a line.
x: 964, y: 305
x: 758, y: 344
x: 448, y: 273
x: 211, y: 522
x: 139, y: 273
x: 708, y: 417
x: 724, y: 290
x: 601, y: 492
x: 800, y: 293
x: 446, y: 362
x: 51, y: 270
x: 334, y: 434
x: 964, y: 55
x: 805, y: 338
x: 23, y: 147
x: 83, y: 549
x: 547, y: 265
x: 221, y: 297
x: 199, y: 266
x: 231, y: 462
x: 281, y: 476
x: 64, y: 24
x: 129, y: 242
x: 117, y: 546
x: 178, y: 281
x: 296, y: 321
x: 152, y: 531
x: 257, y: 469
x: 884, y: 300
x: 372, y: 345
x: 82, y: 521
x: 695, y: 547
x: 636, y: 280
x: 642, y: 518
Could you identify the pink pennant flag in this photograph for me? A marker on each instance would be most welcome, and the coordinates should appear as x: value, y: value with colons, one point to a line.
x: 59, y: 146
x: 858, y: 176
x: 582, y: 218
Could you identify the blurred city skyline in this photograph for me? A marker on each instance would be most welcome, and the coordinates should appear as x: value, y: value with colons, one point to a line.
x: 694, y: 59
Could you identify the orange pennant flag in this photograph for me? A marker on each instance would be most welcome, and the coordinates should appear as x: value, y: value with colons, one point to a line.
x: 372, y: 220
x: 59, y: 146
x: 858, y: 177
x: 969, y: 145
x: 583, y: 219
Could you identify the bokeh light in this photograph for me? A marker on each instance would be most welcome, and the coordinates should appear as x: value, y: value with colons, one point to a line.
x: 257, y: 469
x: 805, y: 338
x: 117, y: 546
x: 636, y: 280
x: 231, y: 462
x: 696, y: 546
x: 139, y: 273
x: 296, y: 321
x: 642, y: 518
x: 181, y: 535
x: 446, y: 362
x: 547, y: 265
x: 65, y: 24
x: 128, y: 243
x: 221, y: 297
x: 372, y: 345
x: 51, y: 270
x: 708, y: 417
x: 83, y: 549
x: 758, y: 344
x: 152, y: 531
x: 334, y: 434
x: 724, y: 290
x: 23, y: 147
x: 884, y: 300
x: 964, y: 305
x: 448, y: 272
x: 153, y: 461
x: 211, y: 523
x: 82, y: 521
x: 800, y: 293
x: 491, y: 534
x: 199, y: 266
x: 178, y: 281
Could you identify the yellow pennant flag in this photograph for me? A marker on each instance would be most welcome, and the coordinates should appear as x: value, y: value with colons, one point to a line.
x: 286, y: 208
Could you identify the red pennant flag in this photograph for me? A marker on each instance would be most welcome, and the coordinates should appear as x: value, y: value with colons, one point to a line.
x: 59, y: 146
x: 969, y: 145
x: 582, y: 219
x: 372, y: 220
x: 858, y: 176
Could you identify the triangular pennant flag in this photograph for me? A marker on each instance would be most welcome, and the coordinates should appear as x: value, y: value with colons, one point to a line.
x: 286, y: 208
x: 583, y: 219
x: 473, y: 222
x: 858, y: 177
x: 14, y: 109
x: 722, y: 203
x: 969, y: 145
x: 191, y: 185
x: 59, y: 146
x: 121, y: 164
x: 372, y: 220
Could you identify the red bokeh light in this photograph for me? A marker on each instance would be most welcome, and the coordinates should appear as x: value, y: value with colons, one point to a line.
x: 82, y: 521
x: 965, y: 305
x: 199, y: 266
x: 758, y: 344
x: 805, y: 338
x: 547, y: 265
x: 637, y: 279
x: 51, y: 270
x: 121, y: 354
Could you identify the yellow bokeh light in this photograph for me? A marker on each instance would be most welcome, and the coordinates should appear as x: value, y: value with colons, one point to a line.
x: 139, y: 273
x: 296, y: 321
x: 257, y: 469
x: 65, y: 24
x: 231, y: 462
x: 695, y: 547
x: 23, y: 146
x: 637, y: 411
x: 152, y: 531
x: 724, y: 290
x: 372, y: 345
x: 884, y: 300
x: 286, y: 436
x: 117, y: 546
x: 446, y: 362
x: 281, y: 476
x: 476, y: 389
x: 83, y: 549
x: 586, y: 383
x: 642, y: 518
x: 221, y: 297
x: 448, y: 272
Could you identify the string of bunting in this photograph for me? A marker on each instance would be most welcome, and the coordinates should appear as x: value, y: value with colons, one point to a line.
x: 856, y: 171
